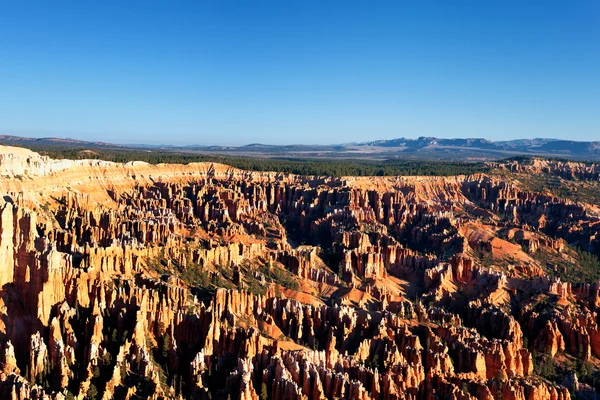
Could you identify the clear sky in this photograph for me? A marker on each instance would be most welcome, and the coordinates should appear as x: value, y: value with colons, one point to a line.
x: 299, y: 71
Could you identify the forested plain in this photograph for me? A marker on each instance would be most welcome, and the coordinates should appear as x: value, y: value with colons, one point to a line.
x: 321, y: 167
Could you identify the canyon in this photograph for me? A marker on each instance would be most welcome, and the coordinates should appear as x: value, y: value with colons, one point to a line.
x: 203, y: 281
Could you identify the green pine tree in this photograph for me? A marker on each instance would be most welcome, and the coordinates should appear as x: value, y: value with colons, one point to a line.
x: 264, y: 395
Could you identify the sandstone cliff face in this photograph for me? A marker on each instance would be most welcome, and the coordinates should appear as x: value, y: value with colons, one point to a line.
x: 565, y: 169
x: 202, y: 281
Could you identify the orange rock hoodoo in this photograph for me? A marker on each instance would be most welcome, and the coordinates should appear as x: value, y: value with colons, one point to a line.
x: 202, y: 281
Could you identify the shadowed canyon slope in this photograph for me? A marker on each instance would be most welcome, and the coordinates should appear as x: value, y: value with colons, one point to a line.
x: 202, y: 281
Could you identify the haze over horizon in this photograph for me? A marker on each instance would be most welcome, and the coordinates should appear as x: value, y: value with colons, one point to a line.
x: 319, y: 73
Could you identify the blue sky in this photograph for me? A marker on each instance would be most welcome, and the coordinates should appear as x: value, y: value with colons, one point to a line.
x: 225, y: 72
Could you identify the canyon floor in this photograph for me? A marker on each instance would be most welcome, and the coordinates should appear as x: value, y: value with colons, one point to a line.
x: 202, y: 281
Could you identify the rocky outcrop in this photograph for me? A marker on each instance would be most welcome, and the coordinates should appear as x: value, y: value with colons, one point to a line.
x: 203, y: 281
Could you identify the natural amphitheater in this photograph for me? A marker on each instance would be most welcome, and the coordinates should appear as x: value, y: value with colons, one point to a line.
x: 204, y: 281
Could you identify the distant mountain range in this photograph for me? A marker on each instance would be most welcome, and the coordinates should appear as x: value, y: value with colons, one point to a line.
x: 11, y: 140
x: 521, y: 145
x: 420, y: 148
